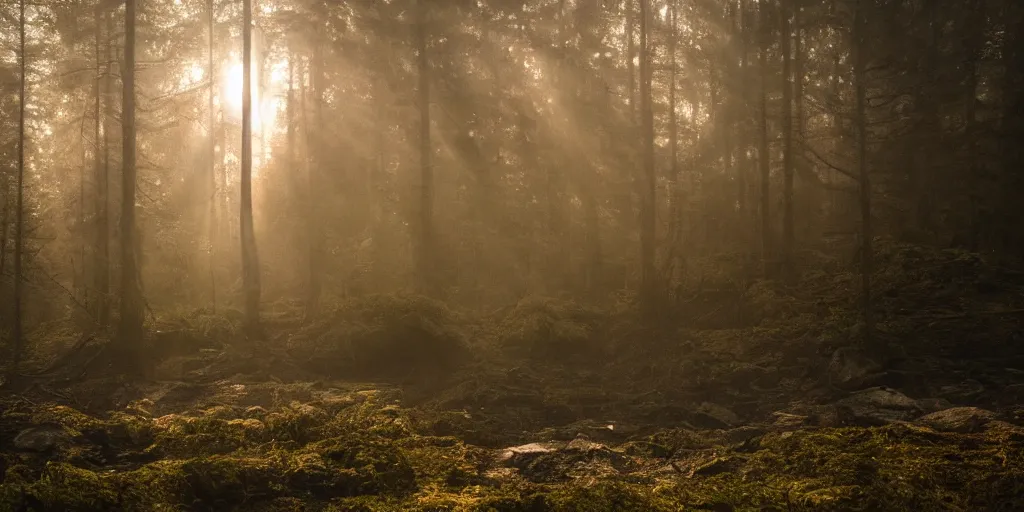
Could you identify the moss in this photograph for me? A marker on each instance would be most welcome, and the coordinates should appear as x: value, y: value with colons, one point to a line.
x: 382, y: 336
x: 549, y: 328
x: 65, y: 487
x: 609, y: 496
x: 369, y: 466
x: 181, y: 436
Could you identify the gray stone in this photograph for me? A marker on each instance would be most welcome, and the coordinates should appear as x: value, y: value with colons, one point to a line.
x: 958, y: 419
x: 716, y: 416
x: 41, y: 438
x: 852, y: 368
x: 880, y: 405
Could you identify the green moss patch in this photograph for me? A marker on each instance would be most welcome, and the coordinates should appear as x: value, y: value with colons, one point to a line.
x: 382, y: 336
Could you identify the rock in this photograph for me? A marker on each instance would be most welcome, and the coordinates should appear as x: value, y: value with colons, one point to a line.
x: 877, y: 406
x: 787, y: 421
x: 742, y: 434
x: 965, y: 391
x: 41, y: 438
x: 516, y: 454
x: 717, y: 466
x: 934, y: 404
x: 851, y: 368
x: 709, y: 415
x: 958, y: 419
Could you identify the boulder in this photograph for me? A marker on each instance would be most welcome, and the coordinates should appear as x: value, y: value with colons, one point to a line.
x: 41, y: 438
x: 851, y: 368
x: 709, y: 415
x: 958, y: 419
x: 878, y: 406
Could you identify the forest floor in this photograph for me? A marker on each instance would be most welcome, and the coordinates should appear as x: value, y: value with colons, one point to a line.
x: 398, y: 403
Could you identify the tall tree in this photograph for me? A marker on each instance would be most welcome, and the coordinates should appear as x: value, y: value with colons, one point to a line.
x: 764, y: 157
x: 101, y: 249
x: 130, y: 329
x: 212, y: 164
x: 630, y: 64
x: 19, y: 220
x: 648, y: 279
x: 314, y: 175
x: 425, y: 256
x: 673, y: 124
x: 785, y: 39
x: 859, y: 36
x: 250, y: 262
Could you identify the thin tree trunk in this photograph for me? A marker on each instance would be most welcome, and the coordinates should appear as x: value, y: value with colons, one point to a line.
x: 290, y: 119
x: 100, y: 177
x: 103, y: 186
x: 212, y: 182
x: 130, y: 331
x: 743, y: 122
x: 798, y: 72
x: 250, y: 262
x: 673, y: 126
x: 82, y: 288
x: 974, y: 42
x: 5, y: 221
x: 19, y: 218
x: 785, y: 38
x: 867, y: 255
x: 317, y: 162
x: 630, y: 65
x: 425, y: 257
x: 763, y: 154
x: 5, y: 224
x: 648, y: 279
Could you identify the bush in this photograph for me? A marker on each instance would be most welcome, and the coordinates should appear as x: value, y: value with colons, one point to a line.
x: 549, y: 328
x: 381, y: 336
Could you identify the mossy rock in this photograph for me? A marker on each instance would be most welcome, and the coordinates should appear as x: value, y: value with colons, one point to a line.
x: 382, y: 337
x: 552, y: 330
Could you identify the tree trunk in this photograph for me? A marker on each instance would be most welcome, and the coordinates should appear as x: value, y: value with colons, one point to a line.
x: 19, y: 216
x: 648, y: 279
x: 974, y: 42
x: 673, y: 127
x: 313, y: 185
x: 763, y: 154
x: 425, y: 257
x: 212, y: 169
x: 103, y: 194
x: 867, y: 255
x: 630, y: 66
x: 250, y: 261
x: 743, y: 123
x: 130, y: 331
x: 785, y: 38
x: 100, y: 253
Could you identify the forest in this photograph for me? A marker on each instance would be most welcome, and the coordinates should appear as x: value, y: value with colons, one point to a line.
x: 511, y: 255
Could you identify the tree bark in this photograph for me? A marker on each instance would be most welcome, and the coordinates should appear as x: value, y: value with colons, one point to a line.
x: 101, y: 242
x: 630, y: 66
x: 425, y: 258
x: 673, y: 126
x: 763, y: 155
x: 130, y: 331
x: 314, y: 172
x: 648, y: 279
x: 19, y: 216
x: 785, y: 38
x: 212, y: 168
x: 250, y: 261
x: 867, y: 254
